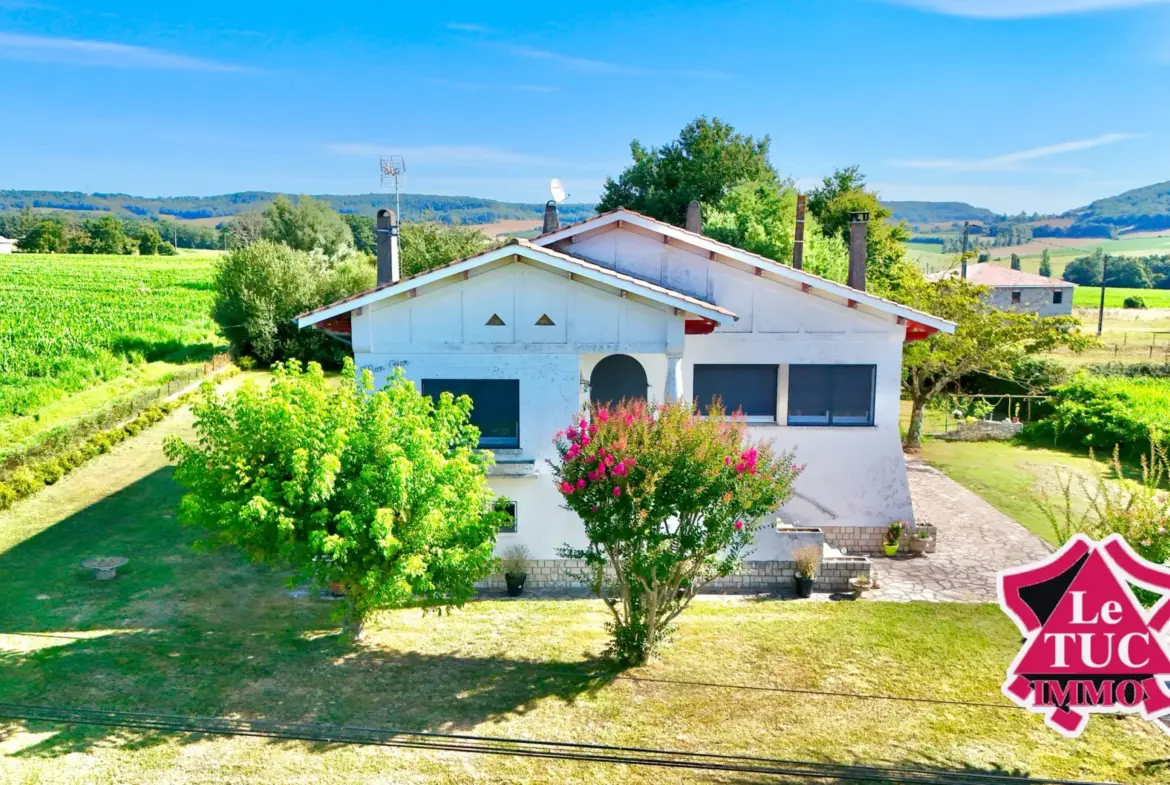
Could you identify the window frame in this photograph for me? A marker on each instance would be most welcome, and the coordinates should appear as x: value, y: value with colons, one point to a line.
x: 828, y: 422
x: 772, y: 418
x: 515, y: 527
x: 485, y: 442
x: 1017, y: 297
x: 1058, y: 296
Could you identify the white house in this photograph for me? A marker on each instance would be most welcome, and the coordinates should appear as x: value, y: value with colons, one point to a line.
x: 7, y: 245
x: 622, y: 305
x: 1016, y: 290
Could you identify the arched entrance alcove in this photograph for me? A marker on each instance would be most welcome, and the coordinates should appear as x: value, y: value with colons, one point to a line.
x: 616, y: 377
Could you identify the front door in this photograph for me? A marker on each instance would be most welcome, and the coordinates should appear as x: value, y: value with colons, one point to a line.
x: 616, y: 377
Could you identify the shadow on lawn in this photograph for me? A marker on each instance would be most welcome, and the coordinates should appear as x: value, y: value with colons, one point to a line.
x: 945, y: 769
x: 205, y: 634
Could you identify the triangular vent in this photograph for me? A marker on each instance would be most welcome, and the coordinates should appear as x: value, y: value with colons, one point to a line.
x: 544, y: 321
x: 495, y: 321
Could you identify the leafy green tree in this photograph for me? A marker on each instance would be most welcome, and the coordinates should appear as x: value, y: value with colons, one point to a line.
x: 259, y: 288
x: 307, y: 225
x: 244, y: 229
x: 1015, y: 261
x: 107, y: 235
x: 46, y: 236
x: 1128, y: 273
x: 706, y: 161
x: 424, y: 246
x: 761, y: 218
x: 839, y: 196
x: 149, y: 241
x: 986, y: 341
x: 363, y: 229
x: 669, y: 500
x: 1046, y: 263
x: 384, y: 492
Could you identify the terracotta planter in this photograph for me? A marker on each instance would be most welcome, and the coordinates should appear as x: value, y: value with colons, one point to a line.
x: 804, y: 586
x: 515, y: 581
x: 891, y: 550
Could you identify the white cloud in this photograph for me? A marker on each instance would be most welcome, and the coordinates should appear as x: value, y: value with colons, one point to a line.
x: 1019, y: 9
x: 73, y: 51
x: 584, y: 65
x: 1014, y: 162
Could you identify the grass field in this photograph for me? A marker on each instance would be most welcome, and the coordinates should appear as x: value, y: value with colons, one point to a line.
x: 189, y: 631
x: 1061, y: 251
x: 1090, y: 297
x: 69, y: 322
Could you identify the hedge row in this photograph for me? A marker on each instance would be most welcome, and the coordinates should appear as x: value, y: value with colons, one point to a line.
x: 1104, y: 411
x: 30, y: 478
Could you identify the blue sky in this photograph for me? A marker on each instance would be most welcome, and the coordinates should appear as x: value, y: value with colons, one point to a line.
x: 1010, y: 104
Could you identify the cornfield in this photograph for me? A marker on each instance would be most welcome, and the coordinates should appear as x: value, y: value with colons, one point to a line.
x: 68, y: 322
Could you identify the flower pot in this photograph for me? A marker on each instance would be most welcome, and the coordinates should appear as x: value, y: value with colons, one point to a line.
x: 918, y: 544
x: 804, y: 586
x: 891, y: 550
x: 515, y: 581
x: 859, y: 586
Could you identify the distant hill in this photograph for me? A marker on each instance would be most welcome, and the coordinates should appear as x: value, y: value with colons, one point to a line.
x: 415, y: 207
x: 935, y: 212
x: 1141, y: 209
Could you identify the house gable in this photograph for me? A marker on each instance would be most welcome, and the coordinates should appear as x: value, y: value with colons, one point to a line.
x: 687, y: 262
x: 516, y: 307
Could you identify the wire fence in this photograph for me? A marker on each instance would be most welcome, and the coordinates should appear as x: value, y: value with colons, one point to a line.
x: 1148, y: 344
x: 65, y: 437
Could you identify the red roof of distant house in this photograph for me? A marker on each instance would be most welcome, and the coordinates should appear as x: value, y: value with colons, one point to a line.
x: 988, y: 274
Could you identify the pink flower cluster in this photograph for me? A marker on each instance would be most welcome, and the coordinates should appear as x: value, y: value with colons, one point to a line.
x: 580, y: 435
x: 746, y: 463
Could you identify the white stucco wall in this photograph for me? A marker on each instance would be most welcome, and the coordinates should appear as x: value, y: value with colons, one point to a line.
x: 855, y: 473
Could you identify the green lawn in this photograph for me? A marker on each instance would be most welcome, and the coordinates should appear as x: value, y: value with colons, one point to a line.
x: 188, y: 631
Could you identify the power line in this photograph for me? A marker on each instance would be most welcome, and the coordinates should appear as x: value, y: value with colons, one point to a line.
x: 497, y: 745
x: 608, y: 675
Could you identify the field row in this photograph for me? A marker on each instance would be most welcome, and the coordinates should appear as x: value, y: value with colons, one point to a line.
x: 68, y: 322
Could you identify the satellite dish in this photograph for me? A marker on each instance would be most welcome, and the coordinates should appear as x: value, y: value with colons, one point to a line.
x: 558, y: 190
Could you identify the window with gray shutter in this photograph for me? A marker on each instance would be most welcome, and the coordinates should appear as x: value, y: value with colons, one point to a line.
x: 750, y: 389
x: 495, y: 406
x: 831, y: 394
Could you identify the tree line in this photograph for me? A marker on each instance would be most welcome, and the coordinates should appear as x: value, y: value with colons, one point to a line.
x: 1129, y: 272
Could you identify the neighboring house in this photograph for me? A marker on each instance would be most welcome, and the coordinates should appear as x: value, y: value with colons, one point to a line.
x: 1018, y: 290
x: 7, y: 245
x: 624, y: 306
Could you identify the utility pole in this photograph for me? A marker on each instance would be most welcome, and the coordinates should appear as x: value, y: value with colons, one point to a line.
x: 1101, y: 308
x: 967, y: 229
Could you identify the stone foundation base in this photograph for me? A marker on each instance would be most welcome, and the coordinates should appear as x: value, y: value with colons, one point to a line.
x: 857, y: 540
x: 756, y: 576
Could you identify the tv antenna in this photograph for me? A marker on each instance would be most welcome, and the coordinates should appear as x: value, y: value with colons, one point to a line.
x: 558, y: 190
x: 393, y: 169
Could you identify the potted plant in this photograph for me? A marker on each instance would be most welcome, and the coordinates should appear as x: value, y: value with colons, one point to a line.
x: 514, y: 562
x: 920, y: 540
x: 1016, y: 414
x: 860, y: 585
x: 808, y: 560
x: 893, y: 535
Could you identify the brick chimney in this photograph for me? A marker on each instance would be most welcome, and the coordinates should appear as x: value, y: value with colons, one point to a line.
x: 387, y: 241
x: 552, y: 220
x: 694, y: 217
x: 858, y: 228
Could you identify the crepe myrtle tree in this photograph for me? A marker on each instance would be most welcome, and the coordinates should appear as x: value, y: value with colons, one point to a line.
x: 382, y: 491
x: 669, y: 500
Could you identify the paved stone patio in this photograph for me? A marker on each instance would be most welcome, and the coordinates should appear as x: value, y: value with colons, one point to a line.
x: 975, y: 541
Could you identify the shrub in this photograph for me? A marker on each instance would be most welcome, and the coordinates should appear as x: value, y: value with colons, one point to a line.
x: 514, y: 560
x: 24, y: 481
x: 668, y: 500
x: 7, y: 496
x: 49, y: 471
x: 1133, y: 302
x: 101, y: 442
x: 382, y: 491
x: 246, y: 363
x: 1103, y: 412
x: 808, y: 561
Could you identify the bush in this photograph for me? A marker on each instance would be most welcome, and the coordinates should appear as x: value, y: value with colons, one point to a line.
x: 1104, y: 412
x: 101, y: 442
x: 1153, y: 370
x: 1133, y: 302
x: 382, y: 491
x: 7, y: 496
x: 669, y: 500
x: 50, y: 471
x: 260, y: 288
x: 24, y: 482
